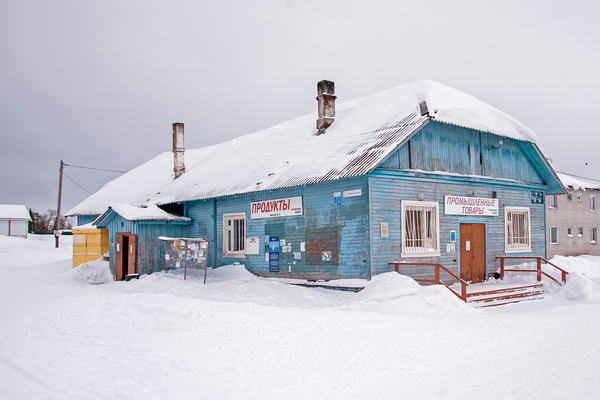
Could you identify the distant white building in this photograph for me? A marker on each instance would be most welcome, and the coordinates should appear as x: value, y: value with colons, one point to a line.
x: 14, y: 220
x: 573, y: 219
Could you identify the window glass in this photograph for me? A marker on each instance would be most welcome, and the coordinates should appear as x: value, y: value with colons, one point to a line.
x: 554, y: 235
x: 234, y: 234
x: 420, y: 229
x: 517, y: 229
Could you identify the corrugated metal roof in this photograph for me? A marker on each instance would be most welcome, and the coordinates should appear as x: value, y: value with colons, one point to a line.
x: 578, y: 183
x: 365, y: 133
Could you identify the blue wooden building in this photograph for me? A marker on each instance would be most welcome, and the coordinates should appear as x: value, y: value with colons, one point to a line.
x: 421, y: 173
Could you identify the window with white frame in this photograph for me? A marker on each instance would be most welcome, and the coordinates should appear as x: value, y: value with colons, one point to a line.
x: 517, y: 230
x: 580, y: 232
x: 570, y: 232
x: 592, y: 203
x: 234, y: 235
x: 553, y: 235
x: 551, y: 201
x: 593, y: 235
x: 420, y: 229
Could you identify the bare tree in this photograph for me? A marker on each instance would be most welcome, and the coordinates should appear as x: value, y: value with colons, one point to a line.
x: 45, y: 222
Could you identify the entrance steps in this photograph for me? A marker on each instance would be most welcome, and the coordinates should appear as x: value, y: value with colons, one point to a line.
x: 504, y: 295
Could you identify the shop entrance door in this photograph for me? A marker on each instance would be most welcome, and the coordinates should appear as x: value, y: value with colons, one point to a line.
x: 472, y: 252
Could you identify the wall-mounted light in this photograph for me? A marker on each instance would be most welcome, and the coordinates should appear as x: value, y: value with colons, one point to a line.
x: 421, y: 196
x: 470, y: 192
x: 489, y: 146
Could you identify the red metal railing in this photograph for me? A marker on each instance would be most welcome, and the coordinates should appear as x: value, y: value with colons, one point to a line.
x: 538, y: 269
x: 437, y: 280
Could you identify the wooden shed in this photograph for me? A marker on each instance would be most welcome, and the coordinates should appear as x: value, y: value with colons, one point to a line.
x: 14, y: 220
x: 133, y: 233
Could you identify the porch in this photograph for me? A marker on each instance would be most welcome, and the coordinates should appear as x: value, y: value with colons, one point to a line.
x: 492, y: 293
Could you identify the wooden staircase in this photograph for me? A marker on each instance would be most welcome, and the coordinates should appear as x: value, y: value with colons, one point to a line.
x: 505, y: 295
x: 487, y: 298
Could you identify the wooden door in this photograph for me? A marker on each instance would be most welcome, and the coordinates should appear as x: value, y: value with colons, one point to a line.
x: 126, y: 250
x: 472, y: 252
x: 119, y: 257
x: 131, y: 266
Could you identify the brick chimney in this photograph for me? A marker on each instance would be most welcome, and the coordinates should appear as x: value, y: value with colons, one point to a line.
x: 178, y: 149
x: 326, y: 100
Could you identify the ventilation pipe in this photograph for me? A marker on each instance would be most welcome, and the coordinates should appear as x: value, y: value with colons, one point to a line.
x: 326, y: 101
x: 178, y: 149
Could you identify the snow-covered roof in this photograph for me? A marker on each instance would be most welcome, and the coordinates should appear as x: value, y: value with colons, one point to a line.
x: 364, y: 133
x: 577, y: 183
x: 143, y: 212
x: 14, y: 212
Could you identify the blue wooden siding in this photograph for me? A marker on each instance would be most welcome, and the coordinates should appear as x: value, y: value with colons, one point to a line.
x: 203, y: 225
x: 150, y: 255
x: 86, y: 219
x: 341, y: 230
x: 388, y: 189
x: 454, y: 149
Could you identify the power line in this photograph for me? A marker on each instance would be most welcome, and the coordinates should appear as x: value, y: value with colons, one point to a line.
x: 76, y: 182
x: 580, y: 177
x: 95, y: 169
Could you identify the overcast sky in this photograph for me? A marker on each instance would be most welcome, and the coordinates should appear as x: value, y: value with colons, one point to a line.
x: 100, y: 83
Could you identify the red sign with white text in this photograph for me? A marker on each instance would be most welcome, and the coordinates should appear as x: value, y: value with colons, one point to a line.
x: 286, y: 207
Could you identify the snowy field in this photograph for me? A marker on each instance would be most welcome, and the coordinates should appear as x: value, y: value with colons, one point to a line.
x: 242, y: 337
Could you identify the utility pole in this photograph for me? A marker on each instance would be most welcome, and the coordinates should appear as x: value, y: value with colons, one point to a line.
x: 57, y: 222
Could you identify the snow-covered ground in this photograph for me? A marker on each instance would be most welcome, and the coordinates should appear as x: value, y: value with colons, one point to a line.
x: 239, y: 336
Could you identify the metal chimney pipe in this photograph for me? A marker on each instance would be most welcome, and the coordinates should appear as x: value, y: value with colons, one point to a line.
x: 178, y: 149
x: 326, y: 101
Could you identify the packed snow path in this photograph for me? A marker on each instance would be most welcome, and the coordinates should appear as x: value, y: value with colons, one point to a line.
x: 239, y: 336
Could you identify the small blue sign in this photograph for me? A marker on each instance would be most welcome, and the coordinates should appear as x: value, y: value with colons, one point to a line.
x: 337, y: 199
x: 273, y: 262
x: 274, y: 254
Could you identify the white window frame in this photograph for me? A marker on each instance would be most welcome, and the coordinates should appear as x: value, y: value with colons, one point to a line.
x: 421, y: 229
x: 552, y: 201
x: 234, y: 247
x: 593, y: 203
x: 553, y: 232
x: 593, y: 235
x: 570, y: 232
x: 523, y: 244
x: 580, y: 232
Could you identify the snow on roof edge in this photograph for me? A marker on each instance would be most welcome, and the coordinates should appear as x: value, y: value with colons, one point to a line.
x: 14, y: 212
x: 577, y: 183
x: 144, y: 212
